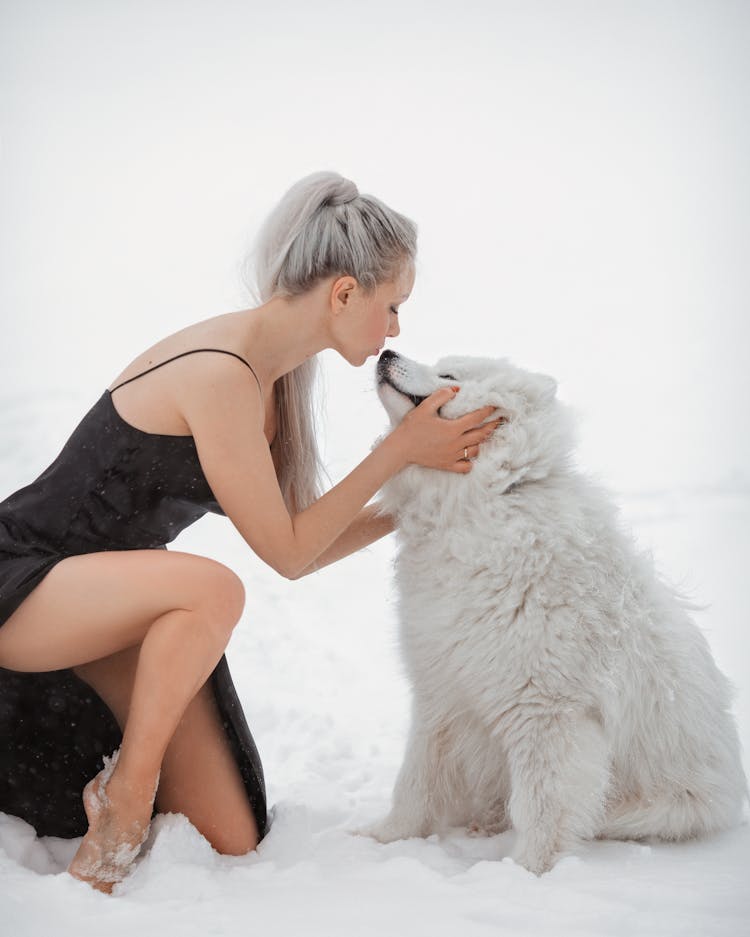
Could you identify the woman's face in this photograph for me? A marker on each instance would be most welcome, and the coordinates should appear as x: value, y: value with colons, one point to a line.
x: 370, y: 319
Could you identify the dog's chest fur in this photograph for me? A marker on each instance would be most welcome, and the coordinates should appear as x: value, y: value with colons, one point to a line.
x: 505, y: 595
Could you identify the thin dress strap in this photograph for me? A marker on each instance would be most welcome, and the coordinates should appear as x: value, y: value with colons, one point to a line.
x: 222, y: 350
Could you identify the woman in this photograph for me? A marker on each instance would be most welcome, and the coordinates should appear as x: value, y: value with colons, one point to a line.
x: 216, y: 417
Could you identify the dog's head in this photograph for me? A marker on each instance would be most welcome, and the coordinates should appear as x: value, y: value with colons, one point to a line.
x: 534, y: 439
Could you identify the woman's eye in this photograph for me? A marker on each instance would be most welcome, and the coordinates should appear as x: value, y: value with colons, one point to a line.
x: 446, y: 377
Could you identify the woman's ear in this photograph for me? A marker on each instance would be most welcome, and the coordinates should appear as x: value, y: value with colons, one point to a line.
x: 342, y: 292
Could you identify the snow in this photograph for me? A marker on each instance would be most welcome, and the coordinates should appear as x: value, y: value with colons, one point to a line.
x: 312, y: 878
x: 579, y: 176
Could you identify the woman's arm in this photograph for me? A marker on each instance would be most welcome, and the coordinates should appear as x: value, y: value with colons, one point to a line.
x: 225, y: 413
x: 367, y: 527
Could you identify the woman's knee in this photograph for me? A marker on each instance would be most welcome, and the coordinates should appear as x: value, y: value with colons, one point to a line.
x: 222, y: 595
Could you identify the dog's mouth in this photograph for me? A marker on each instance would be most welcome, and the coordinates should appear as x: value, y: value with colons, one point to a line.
x: 415, y: 398
x: 384, y: 376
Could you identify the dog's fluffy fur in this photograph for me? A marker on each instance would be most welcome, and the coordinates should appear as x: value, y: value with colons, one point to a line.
x: 559, y: 686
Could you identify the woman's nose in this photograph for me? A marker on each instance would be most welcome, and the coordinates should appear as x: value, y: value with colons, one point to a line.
x: 394, y: 330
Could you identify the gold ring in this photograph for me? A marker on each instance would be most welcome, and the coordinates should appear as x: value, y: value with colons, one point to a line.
x: 466, y: 454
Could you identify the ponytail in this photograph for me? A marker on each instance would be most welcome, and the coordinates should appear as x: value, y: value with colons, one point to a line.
x: 321, y: 227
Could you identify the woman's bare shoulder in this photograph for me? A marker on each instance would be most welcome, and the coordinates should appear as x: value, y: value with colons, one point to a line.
x: 152, y: 401
x: 217, y: 332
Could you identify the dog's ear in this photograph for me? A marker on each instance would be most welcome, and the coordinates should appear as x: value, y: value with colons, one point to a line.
x: 547, y: 388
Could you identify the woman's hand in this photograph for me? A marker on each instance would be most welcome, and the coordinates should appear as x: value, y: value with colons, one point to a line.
x: 428, y: 439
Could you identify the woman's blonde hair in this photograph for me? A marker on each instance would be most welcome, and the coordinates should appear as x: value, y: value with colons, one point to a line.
x: 321, y: 227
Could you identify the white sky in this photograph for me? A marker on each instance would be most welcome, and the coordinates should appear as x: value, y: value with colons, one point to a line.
x: 578, y: 172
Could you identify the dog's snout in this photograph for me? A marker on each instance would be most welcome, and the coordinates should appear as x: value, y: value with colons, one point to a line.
x: 384, y: 361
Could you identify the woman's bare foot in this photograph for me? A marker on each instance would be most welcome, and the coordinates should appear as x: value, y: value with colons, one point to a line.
x: 119, y: 816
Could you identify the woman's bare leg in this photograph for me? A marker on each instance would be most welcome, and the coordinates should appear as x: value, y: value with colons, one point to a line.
x: 199, y: 775
x: 182, y: 609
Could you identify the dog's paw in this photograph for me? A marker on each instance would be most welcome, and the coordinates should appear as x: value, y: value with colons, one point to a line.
x: 537, y: 861
x: 384, y: 831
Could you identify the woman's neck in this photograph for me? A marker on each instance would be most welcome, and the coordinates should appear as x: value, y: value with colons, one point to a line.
x: 282, y: 333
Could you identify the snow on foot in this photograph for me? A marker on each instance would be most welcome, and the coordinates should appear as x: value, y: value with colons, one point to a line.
x: 118, y: 827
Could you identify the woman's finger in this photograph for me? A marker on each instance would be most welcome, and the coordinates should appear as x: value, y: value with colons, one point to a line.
x: 437, y: 399
x: 476, y: 417
x: 469, y: 451
x: 474, y: 436
x: 461, y: 466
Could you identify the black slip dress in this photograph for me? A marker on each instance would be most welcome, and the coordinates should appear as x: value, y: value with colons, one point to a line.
x: 112, y: 487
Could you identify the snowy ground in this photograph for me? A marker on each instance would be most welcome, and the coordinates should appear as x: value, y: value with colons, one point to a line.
x: 316, y: 667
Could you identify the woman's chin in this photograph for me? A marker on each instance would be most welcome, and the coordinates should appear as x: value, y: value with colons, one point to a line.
x: 358, y: 360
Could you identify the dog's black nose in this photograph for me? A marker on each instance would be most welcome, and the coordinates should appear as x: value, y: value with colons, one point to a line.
x: 384, y: 360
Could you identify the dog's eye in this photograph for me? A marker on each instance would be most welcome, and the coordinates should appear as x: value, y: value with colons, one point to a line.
x: 446, y: 377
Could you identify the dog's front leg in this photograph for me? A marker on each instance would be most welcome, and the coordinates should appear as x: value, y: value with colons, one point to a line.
x: 559, y: 775
x: 420, y: 792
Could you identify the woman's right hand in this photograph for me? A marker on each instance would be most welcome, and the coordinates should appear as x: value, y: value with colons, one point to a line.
x: 428, y: 439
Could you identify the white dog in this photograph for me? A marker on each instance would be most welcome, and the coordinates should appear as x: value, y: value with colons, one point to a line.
x: 559, y: 687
